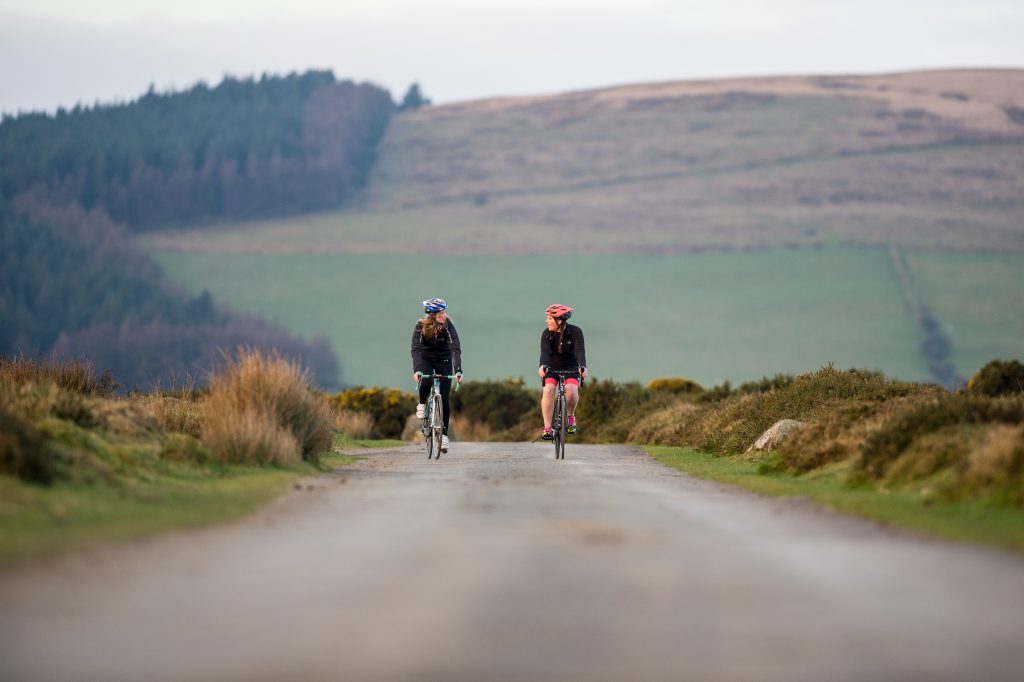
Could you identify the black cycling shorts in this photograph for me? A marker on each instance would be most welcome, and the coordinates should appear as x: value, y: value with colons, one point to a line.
x: 549, y: 375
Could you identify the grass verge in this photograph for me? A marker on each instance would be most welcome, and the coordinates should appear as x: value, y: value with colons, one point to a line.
x: 41, y: 521
x: 965, y: 521
x: 37, y: 521
x: 342, y: 441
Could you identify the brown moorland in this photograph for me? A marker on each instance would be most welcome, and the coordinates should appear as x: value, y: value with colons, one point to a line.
x: 927, y: 159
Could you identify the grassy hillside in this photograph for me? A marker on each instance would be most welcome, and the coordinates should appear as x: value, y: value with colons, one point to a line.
x: 931, y: 159
x: 644, y: 187
x: 711, y: 316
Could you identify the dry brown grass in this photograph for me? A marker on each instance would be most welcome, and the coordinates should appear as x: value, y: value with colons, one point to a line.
x: 264, y: 396
x: 358, y: 425
x: 174, y: 414
x: 465, y: 430
x: 998, y: 459
x: 411, y: 429
x: 247, y: 435
x: 839, y: 435
x: 666, y: 426
x: 74, y: 375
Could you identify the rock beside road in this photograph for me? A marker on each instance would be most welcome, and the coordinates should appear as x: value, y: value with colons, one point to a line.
x: 777, y: 433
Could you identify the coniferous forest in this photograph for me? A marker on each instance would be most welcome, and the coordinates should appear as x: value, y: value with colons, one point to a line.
x: 75, y: 185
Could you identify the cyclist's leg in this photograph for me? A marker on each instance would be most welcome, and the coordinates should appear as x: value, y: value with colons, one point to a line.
x: 547, y: 402
x: 572, y: 395
x: 445, y: 367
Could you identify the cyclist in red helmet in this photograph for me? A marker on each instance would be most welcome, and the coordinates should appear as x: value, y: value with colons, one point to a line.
x: 561, y: 347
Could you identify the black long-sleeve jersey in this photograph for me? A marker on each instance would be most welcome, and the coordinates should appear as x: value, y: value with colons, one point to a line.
x: 563, y: 350
x: 444, y: 345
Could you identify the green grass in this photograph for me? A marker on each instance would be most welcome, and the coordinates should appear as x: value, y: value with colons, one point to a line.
x: 980, y: 299
x: 38, y: 521
x: 150, y: 496
x: 709, y: 316
x: 915, y: 511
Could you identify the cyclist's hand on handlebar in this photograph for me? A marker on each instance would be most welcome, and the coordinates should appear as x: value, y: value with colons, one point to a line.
x: 458, y: 377
x: 541, y: 371
x: 584, y: 372
x: 417, y: 377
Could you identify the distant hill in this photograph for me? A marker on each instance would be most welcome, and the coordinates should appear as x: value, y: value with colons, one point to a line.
x: 931, y: 159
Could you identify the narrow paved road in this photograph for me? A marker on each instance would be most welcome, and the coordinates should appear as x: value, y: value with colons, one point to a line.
x: 499, y: 563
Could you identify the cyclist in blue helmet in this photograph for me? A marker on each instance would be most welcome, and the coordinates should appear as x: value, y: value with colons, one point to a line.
x: 436, y: 348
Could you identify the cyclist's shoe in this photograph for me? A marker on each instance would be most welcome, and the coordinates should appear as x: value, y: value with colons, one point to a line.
x: 572, y: 427
x: 547, y: 433
x: 444, y: 443
x: 420, y: 410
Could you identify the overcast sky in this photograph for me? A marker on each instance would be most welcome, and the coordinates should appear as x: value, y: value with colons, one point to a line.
x: 61, y: 52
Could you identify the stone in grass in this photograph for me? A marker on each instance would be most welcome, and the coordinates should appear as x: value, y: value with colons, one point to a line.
x: 778, y: 432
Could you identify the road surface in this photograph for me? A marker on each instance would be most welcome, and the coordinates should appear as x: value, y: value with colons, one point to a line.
x: 499, y: 563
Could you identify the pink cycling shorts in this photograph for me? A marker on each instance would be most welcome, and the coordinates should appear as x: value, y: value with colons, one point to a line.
x: 548, y: 381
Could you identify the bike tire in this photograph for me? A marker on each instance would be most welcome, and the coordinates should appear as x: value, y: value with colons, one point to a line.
x: 437, y: 426
x: 429, y: 437
x: 560, y: 410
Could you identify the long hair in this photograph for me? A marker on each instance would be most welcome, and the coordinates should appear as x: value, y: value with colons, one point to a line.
x: 562, y: 324
x: 430, y: 326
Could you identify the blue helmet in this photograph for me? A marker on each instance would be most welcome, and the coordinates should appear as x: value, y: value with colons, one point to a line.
x: 434, y: 305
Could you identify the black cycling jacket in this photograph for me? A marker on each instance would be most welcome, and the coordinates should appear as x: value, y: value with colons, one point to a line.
x: 444, y: 346
x: 563, y: 350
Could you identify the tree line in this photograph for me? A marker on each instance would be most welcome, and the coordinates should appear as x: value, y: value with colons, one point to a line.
x: 75, y: 185
x: 72, y: 285
x: 243, y: 149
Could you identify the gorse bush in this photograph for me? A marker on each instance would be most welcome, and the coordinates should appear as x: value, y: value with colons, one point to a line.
x: 498, y: 404
x: 839, y: 434
x: 674, y: 385
x: 763, y: 385
x: 24, y: 451
x: 607, y: 409
x: 389, y: 407
x: 269, y: 396
x: 887, y: 443
x: 732, y: 424
x: 998, y: 377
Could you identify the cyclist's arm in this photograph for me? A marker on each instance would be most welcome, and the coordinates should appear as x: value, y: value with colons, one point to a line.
x: 545, y: 352
x: 417, y: 349
x: 456, y: 349
x: 581, y: 352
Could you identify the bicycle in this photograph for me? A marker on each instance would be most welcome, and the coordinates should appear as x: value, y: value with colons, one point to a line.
x: 560, y: 420
x: 432, y: 425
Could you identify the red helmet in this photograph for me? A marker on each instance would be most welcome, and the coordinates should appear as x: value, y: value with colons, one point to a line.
x: 558, y: 310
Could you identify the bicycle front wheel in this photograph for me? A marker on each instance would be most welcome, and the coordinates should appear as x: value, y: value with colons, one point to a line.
x: 436, y: 426
x: 560, y: 412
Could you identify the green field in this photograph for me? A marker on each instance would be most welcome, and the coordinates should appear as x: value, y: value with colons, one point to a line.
x: 980, y: 299
x: 709, y: 316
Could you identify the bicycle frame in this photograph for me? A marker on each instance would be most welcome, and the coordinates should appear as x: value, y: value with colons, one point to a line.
x: 560, y: 419
x: 432, y: 426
